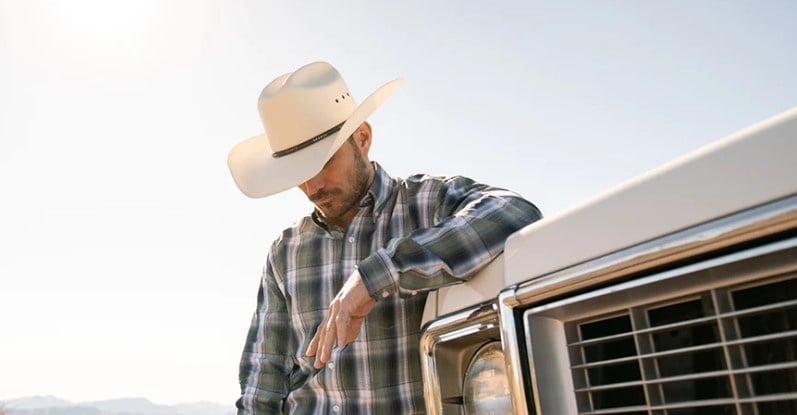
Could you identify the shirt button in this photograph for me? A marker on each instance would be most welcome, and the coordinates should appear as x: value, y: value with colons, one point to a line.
x: 331, y: 365
x: 351, y: 239
x: 414, y: 292
x: 336, y: 408
x: 385, y: 294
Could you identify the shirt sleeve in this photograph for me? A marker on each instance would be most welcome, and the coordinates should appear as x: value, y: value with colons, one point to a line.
x: 265, y: 362
x: 471, y: 224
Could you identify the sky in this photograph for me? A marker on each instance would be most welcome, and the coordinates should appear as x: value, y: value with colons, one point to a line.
x: 130, y: 262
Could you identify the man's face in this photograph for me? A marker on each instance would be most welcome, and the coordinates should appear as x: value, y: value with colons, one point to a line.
x: 338, y: 188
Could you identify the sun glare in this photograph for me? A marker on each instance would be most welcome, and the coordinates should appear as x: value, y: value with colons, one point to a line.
x: 101, y: 17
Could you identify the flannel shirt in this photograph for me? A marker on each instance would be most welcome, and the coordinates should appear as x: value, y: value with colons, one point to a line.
x: 409, y: 237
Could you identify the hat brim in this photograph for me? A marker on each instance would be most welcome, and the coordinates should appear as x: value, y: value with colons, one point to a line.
x: 259, y: 174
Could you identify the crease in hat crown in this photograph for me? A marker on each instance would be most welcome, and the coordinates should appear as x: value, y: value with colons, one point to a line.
x: 302, y: 105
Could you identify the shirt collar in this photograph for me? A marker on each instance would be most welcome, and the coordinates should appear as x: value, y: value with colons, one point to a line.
x: 380, y: 189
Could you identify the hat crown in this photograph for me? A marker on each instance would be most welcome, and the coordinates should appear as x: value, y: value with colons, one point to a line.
x: 300, y: 105
x: 307, y: 115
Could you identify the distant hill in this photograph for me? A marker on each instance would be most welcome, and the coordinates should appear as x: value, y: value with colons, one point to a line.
x: 51, y: 405
x: 33, y: 402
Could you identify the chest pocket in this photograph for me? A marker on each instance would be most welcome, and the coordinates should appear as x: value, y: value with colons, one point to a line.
x: 309, y: 290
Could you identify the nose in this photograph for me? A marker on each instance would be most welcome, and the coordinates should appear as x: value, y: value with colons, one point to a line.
x: 313, y: 185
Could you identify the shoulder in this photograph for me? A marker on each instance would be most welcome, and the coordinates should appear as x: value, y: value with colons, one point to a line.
x: 285, y: 243
x: 441, y: 188
x: 428, y: 181
x: 291, y: 236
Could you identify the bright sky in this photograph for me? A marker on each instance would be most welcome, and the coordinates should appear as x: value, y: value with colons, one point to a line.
x: 129, y: 261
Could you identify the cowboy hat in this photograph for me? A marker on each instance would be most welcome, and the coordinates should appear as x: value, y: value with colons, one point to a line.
x: 307, y: 115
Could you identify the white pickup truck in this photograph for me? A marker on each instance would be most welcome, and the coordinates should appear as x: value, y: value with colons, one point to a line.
x: 675, y: 293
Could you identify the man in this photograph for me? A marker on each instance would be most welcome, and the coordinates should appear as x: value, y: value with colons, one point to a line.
x: 339, y: 309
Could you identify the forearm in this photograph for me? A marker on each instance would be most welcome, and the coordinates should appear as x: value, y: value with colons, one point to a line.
x: 475, y: 221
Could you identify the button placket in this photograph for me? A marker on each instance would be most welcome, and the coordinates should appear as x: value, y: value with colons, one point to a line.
x: 349, y: 257
x: 332, y: 377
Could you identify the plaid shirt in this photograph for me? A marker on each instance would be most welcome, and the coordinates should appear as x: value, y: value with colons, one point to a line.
x: 408, y: 237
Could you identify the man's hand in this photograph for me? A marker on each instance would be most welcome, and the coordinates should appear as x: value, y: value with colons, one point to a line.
x: 343, y: 321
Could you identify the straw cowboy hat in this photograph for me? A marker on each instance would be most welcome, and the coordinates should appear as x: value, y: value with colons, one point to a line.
x: 307, y: 115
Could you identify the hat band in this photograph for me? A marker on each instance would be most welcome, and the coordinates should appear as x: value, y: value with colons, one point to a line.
x: 309, y: 142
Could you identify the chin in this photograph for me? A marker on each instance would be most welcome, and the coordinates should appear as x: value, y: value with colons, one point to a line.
x: 329, y: 213
x: 328, y: 210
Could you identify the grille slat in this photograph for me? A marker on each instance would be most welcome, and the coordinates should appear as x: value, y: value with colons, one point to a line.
x: 748, y: 340
x: 760, y: 339
x: 600, y: 340
x: 610, y: 386
x: 606, y: 363
x: 782, y: 397
x: 667, y: 327
x: 696, y: 376
x: 702, y: 347
x: 645, y: 409
x: 687, y: 405
x: 703, y: 375
x: 785, y: 305
x: 626, y: 410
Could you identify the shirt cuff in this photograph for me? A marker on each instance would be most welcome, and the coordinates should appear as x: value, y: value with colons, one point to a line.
x: 379, y: 274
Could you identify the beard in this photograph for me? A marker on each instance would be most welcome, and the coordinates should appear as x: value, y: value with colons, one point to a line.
x: 336, y: 202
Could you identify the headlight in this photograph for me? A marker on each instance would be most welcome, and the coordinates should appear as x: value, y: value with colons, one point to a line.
x: 486, y: 387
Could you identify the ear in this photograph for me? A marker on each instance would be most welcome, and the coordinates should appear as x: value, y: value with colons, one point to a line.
x: 362, y: 137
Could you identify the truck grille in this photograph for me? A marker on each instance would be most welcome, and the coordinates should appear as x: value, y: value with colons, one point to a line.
x: 717, y: 336
x: 725, y: 350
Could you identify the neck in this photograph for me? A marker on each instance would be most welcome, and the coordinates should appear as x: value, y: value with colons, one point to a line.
x: 344, y: 220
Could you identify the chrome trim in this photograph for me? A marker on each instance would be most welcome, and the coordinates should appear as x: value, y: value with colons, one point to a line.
x: 510, y: 343
x: 720, y: 233
x: 736, y: 257
x: 460, y: 324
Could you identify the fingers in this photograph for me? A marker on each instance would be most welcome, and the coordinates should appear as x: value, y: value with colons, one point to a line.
x: 312, y: 348
x: 327, y: 342
x: 342, y: 324
x: 343, y: 320
x: 327, y: 333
